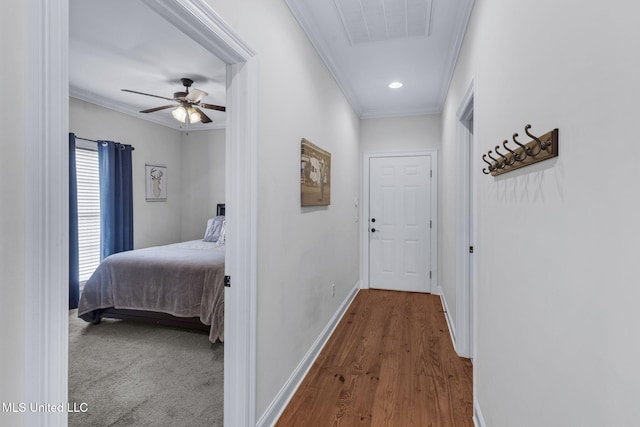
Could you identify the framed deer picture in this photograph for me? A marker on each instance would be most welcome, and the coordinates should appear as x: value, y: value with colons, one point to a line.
x: 156, y: 182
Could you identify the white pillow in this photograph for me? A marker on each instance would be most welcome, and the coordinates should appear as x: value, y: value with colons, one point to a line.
x: 209, y: 225
x: 213, y: 232
x: 222, y: 237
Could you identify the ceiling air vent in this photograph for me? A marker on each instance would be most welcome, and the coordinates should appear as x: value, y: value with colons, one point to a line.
x: 367, y: 21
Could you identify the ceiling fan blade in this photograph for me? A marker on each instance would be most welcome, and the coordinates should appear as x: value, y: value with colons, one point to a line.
x: 203, y: 117
x: 212, y: 107
x: 196, y: 95
x: 151, y: 110
x: 147, y: 94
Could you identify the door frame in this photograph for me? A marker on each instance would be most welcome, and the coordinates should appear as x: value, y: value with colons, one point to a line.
x: 364, y: 209
x: 46, y: 205
x: 467, y: 225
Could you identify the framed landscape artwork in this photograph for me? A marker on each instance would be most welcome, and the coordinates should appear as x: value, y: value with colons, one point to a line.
x: 315, y: 175
x: 156, y: 182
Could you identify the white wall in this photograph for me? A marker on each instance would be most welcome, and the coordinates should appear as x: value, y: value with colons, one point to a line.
x: 155, y: 223
x: 401, y: 133
x: 301, y: 250
x: 558, y: 293
x: 195, y: 171
x: 203, y: 168
x: 13, y: 116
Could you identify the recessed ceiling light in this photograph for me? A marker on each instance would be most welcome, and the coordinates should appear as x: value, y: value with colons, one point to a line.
x: 395, y: 85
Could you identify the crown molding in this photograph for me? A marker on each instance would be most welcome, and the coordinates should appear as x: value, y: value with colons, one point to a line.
x: 373, y: 114
x: 315, y: 38
x: 449, y: 70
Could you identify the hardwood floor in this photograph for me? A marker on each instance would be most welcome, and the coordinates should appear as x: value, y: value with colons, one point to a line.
x: 390, y: 362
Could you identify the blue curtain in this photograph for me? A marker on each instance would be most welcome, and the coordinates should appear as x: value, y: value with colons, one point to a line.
x: 116, y: 198
x: 74, y: 270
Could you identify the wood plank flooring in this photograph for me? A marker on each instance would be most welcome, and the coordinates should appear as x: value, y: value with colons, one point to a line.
x: 390, y: 362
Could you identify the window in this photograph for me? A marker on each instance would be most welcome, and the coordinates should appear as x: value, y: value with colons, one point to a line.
x: 88, y: 209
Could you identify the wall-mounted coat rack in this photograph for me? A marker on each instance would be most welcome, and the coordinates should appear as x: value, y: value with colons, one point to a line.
x: 540, y: 148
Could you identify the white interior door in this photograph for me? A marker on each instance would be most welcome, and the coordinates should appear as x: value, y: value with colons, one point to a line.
x: 400, y: 223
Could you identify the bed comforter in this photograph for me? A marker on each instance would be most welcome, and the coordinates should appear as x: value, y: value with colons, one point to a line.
x: 183, y: 279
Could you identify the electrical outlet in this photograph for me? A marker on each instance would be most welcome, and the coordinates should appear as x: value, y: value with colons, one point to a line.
x: 333, y: 289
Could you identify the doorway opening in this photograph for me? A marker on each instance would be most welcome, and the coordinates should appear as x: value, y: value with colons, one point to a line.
x: 467, y: 228
x: 46, y: 281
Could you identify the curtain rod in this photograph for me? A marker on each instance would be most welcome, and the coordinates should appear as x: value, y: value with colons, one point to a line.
x: 93, y: 140
x: 86, y: 139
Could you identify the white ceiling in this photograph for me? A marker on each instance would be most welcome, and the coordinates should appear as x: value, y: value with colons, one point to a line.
x: 366, y: 44
x: 123, y: 44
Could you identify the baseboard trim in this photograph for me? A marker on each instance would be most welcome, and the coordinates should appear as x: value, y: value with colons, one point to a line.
x: 285, y: 394
x: 478, y: 419
x: 447, y: 315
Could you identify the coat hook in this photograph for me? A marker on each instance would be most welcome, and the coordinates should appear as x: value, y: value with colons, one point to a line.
x: 491, y: 167
x: 541, y: 145
x: 525, y: 149
x: 513, y: 153
x: 498, y: 164
x: 505, y: 160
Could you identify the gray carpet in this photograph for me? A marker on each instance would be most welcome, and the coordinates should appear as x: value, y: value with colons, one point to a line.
x: 131, y: 374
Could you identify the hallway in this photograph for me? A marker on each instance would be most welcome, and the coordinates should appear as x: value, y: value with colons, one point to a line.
x: 390, y: 362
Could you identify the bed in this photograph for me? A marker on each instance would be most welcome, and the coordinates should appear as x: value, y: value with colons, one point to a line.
x: 179, y: 285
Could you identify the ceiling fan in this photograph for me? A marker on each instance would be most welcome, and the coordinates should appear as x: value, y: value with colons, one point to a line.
x: 188, y: 110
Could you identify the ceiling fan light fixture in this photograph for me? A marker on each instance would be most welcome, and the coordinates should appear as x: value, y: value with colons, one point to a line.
x: 395, y: 85
x: 180, y: 114
x: 194, y: 116
x: 188, y: 108
x: 183, y: 114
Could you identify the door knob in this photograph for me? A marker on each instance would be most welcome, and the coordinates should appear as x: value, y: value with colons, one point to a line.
x: 373, y: 220
x: 373, y: 230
